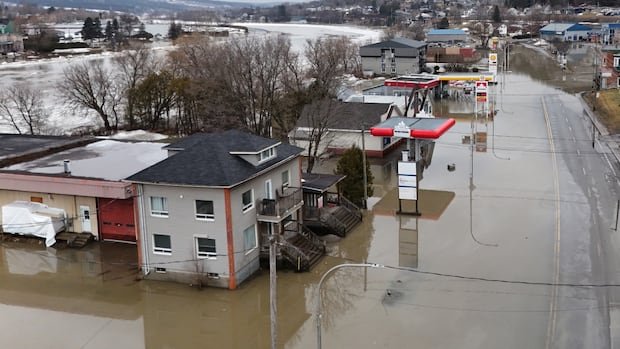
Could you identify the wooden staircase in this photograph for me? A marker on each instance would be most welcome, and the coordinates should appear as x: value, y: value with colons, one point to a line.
x: 303, y: 250
x: 338, y: 220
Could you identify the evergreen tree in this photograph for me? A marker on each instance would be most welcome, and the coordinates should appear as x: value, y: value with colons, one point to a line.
x: 97, y: 28
x: 109, y: 31
x: 88, y: 29
x: 443, y: 23
x: 174, y: 31
x: 497, y: 18
x: 351, y: 165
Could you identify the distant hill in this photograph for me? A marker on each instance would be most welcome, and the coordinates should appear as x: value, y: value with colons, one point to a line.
x: 138, y: 6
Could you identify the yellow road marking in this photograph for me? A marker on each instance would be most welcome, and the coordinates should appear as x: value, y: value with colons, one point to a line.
x: 556, y: 245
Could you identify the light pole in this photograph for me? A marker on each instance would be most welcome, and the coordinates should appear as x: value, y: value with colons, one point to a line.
x: 364, y: 167
x: 318, y: 291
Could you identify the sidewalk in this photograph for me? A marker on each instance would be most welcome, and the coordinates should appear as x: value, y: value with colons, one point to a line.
x: 611, y: 141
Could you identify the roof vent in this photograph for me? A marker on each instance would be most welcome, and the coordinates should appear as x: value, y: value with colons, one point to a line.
x: 67, y: 166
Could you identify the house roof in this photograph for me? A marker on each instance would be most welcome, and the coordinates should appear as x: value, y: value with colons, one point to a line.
x: 345, y: 116
x: 397, y: 43
x: 446, y: 32
x: 105, y: 159
x: 562, y: 27
x: 319, y: 182
x: 253, y: 144
x: 14, y: 146
x: 206, y: 160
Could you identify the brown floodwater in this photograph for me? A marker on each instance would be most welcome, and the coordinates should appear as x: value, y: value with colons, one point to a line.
x: 493, y: 217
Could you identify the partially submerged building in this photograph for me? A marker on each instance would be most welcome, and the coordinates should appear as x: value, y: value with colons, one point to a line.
x: 82, y: 176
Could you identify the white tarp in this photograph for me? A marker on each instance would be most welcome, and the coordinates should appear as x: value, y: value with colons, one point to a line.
x: 33, y: 218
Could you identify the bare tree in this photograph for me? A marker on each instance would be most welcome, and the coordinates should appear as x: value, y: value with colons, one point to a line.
x: 134, y: 66
x: 90, y: 86
x: 316, y: 119
x: 254, y: 68
x: 325, y: 65
x: 22, y: 107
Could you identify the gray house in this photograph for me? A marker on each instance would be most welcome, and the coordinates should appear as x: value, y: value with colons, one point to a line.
x: 206, y: 211
x: 397, y: 56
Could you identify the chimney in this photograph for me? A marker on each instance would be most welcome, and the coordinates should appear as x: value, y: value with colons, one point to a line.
x: 67, y: 166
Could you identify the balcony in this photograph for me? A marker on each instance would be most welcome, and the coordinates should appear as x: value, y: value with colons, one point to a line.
x: 276, y: 210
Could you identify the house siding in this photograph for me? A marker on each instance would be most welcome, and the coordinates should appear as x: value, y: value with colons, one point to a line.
x: 339, y: 141
x: 182, y: 264
x: 70, y: 203
x: 404, y: 65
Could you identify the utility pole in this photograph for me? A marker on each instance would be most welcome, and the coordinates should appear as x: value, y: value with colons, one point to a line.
x: 364, y: 168
x: 273, y: 301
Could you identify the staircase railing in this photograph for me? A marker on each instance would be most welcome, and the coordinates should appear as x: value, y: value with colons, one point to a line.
x: 353, y: 208
x: 332, y: 221
x: 295, y: 255
x: 312, y: 237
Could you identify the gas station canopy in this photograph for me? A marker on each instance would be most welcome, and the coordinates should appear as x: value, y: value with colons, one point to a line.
x: 422, y: 128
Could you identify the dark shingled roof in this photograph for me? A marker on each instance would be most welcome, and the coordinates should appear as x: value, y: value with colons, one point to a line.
x: 398, y: 43
x: 251, y: 144
x: 206, y: 160
x: 319, y: 182
x: 346, y: 116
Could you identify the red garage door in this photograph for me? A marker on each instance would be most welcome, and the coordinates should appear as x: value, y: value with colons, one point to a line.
x: 116, y: 220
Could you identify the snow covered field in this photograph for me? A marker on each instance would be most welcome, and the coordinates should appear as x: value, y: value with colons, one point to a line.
x: 44, y: 74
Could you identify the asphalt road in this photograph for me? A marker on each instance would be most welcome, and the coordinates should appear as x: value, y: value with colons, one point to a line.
x: 587, y: 254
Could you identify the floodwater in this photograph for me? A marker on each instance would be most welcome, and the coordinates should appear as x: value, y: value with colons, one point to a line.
x: 493, y: 217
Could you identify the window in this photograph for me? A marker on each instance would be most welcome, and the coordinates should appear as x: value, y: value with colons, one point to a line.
x: 204, y: 210
x: 249, y: 239
x: 247, y: 200
x: 205, y: 248
x: 159, y: 206
x: 267, y: 154
x: 36, y: 199
x: 616, y: 61
x: 285, y: 179
x: 162, y: 244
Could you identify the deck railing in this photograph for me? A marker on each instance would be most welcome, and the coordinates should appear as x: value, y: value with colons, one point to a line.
x: 282, y: 204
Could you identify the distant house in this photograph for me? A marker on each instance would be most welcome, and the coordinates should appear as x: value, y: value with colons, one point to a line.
x: 610, y: 67
x: 9, y: 40
x: 208, y: 209
x: 565, y: 32
x: 343, y: 128
x: 82, y: 176
x: 610, y: 33
x: 393, y: 57
x: 446, y: 36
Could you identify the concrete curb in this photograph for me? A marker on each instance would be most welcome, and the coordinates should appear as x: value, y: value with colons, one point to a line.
x: 612, y: 144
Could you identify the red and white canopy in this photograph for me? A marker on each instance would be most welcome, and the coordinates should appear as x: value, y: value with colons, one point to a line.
x: 422, y: 128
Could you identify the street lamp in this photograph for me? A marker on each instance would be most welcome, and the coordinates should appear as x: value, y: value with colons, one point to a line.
x: 318, y: 291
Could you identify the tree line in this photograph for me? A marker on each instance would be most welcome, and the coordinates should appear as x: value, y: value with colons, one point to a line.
x: 255, y: 83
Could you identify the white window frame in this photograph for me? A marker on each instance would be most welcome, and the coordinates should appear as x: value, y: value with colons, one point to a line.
x: 209, y: 217
x: 163, y: 213
x: 248, y: 251
x: 204, y: 255
x: 267, y: 154
x: 616, y: 61
x: 246, y: 208
x: 287, y: 183
x: 162, y: 250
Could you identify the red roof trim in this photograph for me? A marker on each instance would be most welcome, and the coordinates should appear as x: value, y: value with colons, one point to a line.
x: 381, y: 131
x: 415, y: 133
x: 433, y: 134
